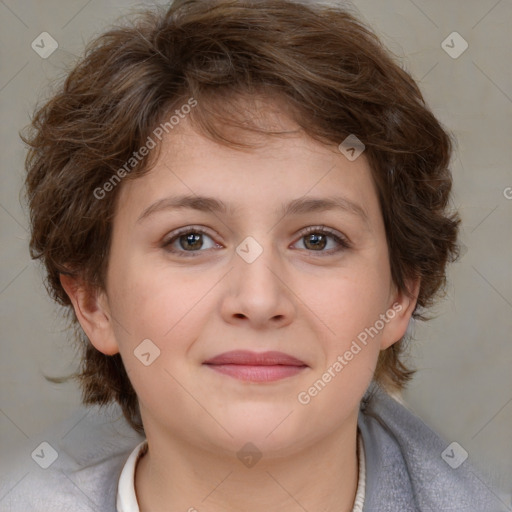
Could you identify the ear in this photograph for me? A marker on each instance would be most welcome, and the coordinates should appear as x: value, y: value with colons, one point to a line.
x: 92, y: 310
x: 400, y: 310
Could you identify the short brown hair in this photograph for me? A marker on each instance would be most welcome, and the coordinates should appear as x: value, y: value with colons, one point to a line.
x: 331, y: 72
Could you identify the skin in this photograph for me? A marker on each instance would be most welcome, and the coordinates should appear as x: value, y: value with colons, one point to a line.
x: 293, y: 298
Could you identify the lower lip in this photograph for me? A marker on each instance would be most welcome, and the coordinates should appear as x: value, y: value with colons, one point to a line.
x: 257, y: 373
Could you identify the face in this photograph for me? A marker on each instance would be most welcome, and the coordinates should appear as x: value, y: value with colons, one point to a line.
x: 288, y: 255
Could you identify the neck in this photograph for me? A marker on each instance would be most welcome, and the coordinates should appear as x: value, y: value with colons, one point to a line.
x: 174, y: 475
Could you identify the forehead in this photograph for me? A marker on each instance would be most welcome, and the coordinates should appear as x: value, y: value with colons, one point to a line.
x: 277, y: 170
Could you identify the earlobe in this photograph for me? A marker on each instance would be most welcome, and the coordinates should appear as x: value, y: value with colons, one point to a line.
x: 91, y: 309
x: 399, y: 314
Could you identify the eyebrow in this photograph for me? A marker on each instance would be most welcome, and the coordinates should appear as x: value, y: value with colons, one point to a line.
x: 295, y: 207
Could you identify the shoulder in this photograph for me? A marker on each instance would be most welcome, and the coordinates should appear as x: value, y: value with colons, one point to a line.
x: 411, y: 468
x: 75, y: 465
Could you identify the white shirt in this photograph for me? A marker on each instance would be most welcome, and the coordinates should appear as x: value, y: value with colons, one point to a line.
x: 127, y: 499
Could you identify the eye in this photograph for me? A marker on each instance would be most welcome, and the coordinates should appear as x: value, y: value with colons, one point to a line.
x: 316, y: 239
x: 188, y: 240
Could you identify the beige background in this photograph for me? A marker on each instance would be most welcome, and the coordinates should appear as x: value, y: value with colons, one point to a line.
x: 463, y: 388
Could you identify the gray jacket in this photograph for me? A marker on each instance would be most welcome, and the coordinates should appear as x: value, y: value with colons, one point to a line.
x: 409, y: 468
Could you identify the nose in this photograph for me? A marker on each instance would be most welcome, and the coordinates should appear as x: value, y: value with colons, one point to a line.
x: 257, y: 292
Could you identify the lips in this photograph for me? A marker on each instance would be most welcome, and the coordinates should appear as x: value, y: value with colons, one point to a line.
x: 256, y: 366
x: 245, y: 357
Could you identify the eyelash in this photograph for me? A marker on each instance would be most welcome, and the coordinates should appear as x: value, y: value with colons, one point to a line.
x: 340, y: 239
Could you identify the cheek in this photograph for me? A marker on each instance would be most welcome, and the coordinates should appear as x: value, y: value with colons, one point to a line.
x: 161, y: 310
x: 350, y: 308
x: 147, y: 298
x: 353, y: 301
x: 163, y: 306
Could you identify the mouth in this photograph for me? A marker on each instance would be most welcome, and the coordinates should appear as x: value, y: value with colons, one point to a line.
x: 256, y: 367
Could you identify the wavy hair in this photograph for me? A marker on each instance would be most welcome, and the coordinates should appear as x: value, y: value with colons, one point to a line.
x: 333, y: 76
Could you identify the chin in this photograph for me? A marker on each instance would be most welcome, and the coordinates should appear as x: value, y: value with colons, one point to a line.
x: 273, y: 433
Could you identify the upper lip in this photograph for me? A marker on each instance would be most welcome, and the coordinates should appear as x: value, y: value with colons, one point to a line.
x: 246, y: 357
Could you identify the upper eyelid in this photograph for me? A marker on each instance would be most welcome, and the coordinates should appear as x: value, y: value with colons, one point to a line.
x: 187, y: 229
